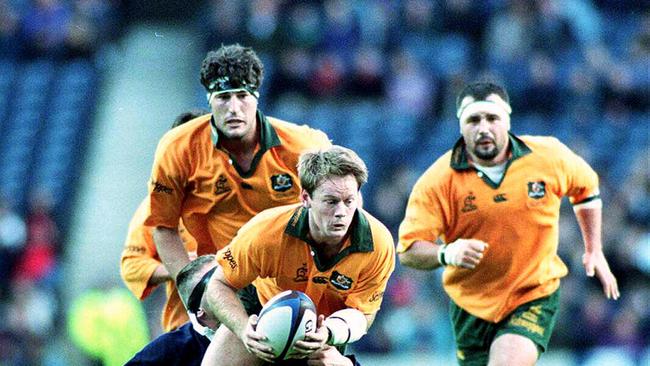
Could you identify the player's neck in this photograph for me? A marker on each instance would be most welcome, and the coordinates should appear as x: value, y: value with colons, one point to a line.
x: 242, y: 150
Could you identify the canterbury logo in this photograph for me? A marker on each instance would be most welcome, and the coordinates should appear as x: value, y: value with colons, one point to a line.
x: 501, y: 197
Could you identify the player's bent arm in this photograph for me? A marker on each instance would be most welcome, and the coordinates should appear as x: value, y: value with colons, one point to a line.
x: 170, y: 249
x: 159, y: 275
x: 466, y: 253
x: 589, y: 217
x: 224, y: 304
x: 421, y: 255
x: 136, y: 270
x: 329, y: 356
x: 347, y: 326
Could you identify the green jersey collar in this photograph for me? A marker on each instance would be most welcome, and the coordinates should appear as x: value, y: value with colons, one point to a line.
x: 459, y: 154
x: 360, y: 236
x: 268, y: 139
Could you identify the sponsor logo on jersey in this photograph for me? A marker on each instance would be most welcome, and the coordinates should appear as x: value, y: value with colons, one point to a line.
x: 319, y: 279
x: 536, y: 190
x: 376, y: 296
x: 500, y: 197
x: 341, y: 281
x: 227, y: 255
x: 301, y: 273
x: 135, y: 249
x: 222, y: 185
x: 161, y: 188
x: 468, y: 203
x: 281, y: 182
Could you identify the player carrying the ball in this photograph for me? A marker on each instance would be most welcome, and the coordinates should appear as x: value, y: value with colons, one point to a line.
x: 326, y: 246
x: 488, y: 212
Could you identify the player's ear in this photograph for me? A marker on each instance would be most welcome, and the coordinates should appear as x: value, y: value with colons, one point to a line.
x: 305, y: 199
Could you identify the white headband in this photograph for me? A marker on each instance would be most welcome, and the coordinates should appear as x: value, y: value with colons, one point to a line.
x: 496, y: 106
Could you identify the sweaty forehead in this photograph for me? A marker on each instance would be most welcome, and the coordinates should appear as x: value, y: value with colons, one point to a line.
x: 337, y: 186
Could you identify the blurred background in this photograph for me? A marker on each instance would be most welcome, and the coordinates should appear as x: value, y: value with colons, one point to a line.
x: 87, y: 87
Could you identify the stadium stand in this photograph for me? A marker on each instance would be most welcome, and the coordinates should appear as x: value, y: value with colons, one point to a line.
x: 378, y: 76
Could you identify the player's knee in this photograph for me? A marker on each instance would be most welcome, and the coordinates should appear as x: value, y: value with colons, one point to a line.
x: 512, y: 350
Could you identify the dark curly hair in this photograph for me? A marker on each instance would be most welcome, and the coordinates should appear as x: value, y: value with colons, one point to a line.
x: 481, y: 90
x: 240, y: 64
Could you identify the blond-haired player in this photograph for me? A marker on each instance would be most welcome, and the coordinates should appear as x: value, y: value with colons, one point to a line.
x: 326, y: 247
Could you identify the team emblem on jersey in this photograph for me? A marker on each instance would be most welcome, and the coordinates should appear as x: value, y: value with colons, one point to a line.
x: 281, y: 182
x: 301, y: 274
x: 468, y: 203
x: 222, y: 185
x: 340, y: 281
x: 536, y: 190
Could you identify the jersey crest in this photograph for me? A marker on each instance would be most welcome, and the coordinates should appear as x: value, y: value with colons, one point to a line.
x: 341, y: 281
x: 281, y: 182
x: 222, y: 185
x: 536, y: 190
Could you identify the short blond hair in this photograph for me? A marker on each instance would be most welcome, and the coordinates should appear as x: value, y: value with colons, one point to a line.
x: 316, y: 166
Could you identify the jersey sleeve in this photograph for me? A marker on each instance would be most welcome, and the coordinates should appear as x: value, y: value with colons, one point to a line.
x: 425, y: 213
x: 580, y: 180
x: 167, y: 183
x: 190, y: 243
x: 319, y: 139
x: 369, y: 293
x: 246, y: 257
x: 138, y: 262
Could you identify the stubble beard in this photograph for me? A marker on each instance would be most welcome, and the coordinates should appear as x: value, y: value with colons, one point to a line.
x: 486, y: 155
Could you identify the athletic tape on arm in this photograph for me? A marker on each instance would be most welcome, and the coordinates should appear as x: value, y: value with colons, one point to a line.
x: 346, y: 326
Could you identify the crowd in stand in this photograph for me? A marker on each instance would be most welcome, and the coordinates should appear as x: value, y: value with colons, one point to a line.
x: 56, y: 29
x: 31, y: 238
x: 380, y: 77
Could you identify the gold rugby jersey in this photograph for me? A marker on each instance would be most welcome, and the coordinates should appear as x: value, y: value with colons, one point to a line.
x: 139, y: 261
x: 273, y: 251
x: 194, y: 180
x: 518, y: 218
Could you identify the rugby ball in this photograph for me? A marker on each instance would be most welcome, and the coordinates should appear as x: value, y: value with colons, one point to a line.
x: 285, y: 319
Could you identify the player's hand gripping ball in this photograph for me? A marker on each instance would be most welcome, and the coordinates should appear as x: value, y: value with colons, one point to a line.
x: 285, y: 319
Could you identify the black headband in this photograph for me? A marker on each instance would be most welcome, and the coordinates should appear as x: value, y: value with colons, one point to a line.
x: 225, y: 85
x: 194, y: 302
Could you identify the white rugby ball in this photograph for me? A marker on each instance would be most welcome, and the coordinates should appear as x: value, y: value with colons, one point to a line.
x: 285, y: 319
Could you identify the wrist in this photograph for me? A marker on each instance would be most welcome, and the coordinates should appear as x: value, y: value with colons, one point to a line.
x: 329, y: 336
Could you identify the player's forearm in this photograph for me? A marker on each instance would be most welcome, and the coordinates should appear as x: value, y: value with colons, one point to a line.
x: 590, y: 222
x: 159, y: 275
x: 421, y: 255
x: 225, y: 305
x: 170, y: 249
